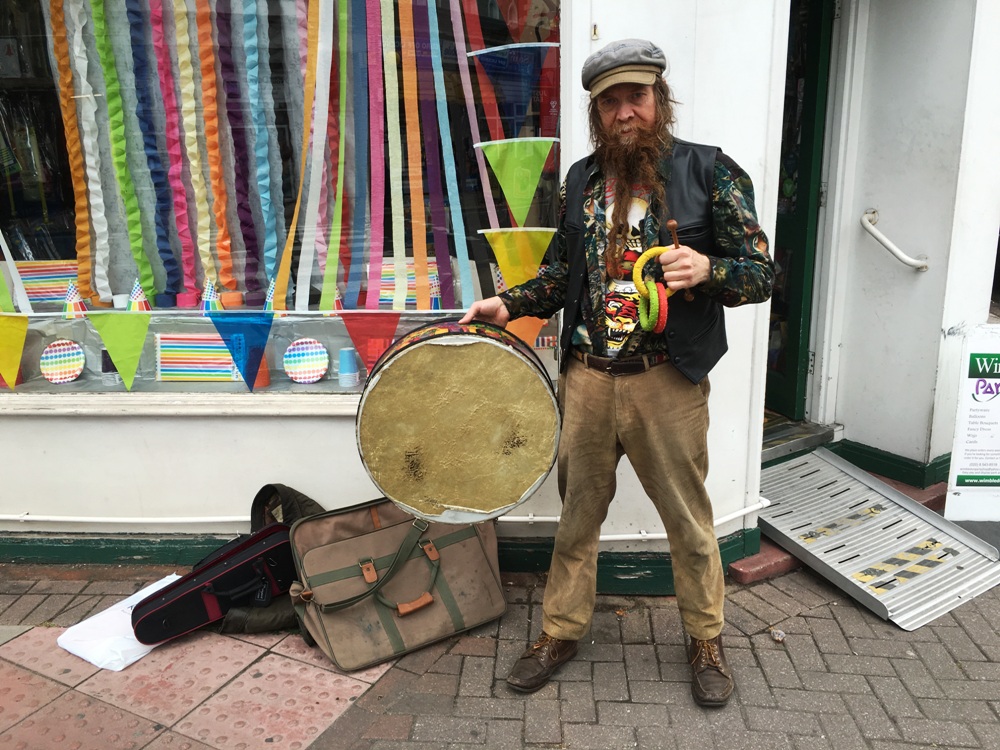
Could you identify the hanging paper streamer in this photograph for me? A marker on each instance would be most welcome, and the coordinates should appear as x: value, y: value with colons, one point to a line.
x: 137, y: 301
x: 376, y: 103
x: 246, y: 337
x: 175, y: 158
x: 189, y: 114
x: 13, y: 331
x: 470, y: 108
x: 338, y: 245
x: 371, y: 334
x: 307, y: 250
x: 163, y: 215
x: 261, y: 140
x: 433, y: 145
x: 285, y: 265
x: 519, y: 252
x: 61, y: 361
x: 210, y: 111
x: 359, y: 58
x: 411, y: 108
x: 88, y: 129
x: 395, y: 152
x: 73, y: 306
x: 518, y: 164
x: 210, y: 301
x: 120, y: 146
x: 241, y: 166
x: 123, y: 337
x: 514, y: 71
x: 74, y: 149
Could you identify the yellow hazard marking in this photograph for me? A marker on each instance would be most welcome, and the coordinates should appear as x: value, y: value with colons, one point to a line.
x: 898, y: 560
x: 904, y: 575
x: 842, y: 524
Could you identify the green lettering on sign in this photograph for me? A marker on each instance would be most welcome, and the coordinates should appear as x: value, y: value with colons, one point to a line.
x: 984, y: 366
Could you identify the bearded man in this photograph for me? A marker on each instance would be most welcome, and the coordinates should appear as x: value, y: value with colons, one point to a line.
x: 634, y: 382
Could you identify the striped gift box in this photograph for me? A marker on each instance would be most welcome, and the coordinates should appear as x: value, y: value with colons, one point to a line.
x: 194, y: 357
x: 46, y: 281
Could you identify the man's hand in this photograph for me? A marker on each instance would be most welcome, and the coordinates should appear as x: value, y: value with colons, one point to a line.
x: 683, y: 267
x: 490, y: 310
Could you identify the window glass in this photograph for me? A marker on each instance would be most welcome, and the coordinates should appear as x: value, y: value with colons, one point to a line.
x: 177, y: 172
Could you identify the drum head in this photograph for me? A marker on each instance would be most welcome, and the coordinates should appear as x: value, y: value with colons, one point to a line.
x: 458, y: 428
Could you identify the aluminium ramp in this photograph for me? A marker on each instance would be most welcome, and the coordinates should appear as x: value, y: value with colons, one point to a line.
x: 902, y: 561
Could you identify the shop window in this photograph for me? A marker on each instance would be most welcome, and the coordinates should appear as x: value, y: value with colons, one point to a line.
x: 189, y: 181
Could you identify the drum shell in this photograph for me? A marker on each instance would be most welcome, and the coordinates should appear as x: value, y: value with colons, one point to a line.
x: 458, y: 423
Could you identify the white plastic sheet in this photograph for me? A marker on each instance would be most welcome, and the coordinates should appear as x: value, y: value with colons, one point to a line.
x: 106, y: 639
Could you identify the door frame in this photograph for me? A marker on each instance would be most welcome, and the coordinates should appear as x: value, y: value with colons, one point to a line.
x: 786, y: 389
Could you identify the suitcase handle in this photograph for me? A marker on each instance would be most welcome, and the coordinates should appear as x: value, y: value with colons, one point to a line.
x: 407, y: 608
x: 246, y: 589
x: 418, y: 527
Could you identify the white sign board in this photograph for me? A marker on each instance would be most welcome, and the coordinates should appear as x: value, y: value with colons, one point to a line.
x: 974, y: 478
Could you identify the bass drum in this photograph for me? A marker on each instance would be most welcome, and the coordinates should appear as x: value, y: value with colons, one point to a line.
x: 458, y: 423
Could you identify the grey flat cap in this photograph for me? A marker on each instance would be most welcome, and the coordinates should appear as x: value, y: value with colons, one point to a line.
x: 624, y: 61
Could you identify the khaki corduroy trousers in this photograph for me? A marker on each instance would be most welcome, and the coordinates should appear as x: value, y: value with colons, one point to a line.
x: 659, y: 420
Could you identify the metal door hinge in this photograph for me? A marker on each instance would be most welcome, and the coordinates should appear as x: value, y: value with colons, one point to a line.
x: 812, y: 362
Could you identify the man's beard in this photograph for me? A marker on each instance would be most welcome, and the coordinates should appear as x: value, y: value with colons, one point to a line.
x: 629, y: 152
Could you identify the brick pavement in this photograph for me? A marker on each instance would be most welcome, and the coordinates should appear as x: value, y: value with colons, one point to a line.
x: 838, y: 677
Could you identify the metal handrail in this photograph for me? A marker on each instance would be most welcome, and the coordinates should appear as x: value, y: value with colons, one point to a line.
x: 868, y: 221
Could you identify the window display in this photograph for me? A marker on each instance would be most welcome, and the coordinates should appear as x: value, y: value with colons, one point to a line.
x: 184, y: 178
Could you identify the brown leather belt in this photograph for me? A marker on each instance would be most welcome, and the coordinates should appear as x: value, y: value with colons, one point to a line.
x: 621, y: 366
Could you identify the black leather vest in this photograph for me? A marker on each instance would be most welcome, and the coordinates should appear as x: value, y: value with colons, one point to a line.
x: 696, y: 328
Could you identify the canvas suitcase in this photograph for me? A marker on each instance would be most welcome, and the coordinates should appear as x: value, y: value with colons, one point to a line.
x: 249, y: 571
x: 375, y: 583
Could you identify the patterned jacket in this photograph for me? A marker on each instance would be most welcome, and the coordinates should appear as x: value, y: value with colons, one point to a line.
x: 741, y: 268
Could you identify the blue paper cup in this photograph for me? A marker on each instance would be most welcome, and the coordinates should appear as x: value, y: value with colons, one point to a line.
x: 347, y: 372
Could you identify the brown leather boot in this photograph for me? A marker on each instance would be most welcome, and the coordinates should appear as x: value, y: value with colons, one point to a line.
x: 711, y: 678
x: 536, y: 665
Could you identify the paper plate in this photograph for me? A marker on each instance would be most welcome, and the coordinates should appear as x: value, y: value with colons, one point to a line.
x: 62, y: 361
x: 306, y: 361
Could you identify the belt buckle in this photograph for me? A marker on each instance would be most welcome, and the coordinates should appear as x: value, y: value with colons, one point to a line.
x: 617, y: 368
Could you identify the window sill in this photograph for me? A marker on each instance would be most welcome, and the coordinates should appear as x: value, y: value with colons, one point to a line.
x: 178, y: 405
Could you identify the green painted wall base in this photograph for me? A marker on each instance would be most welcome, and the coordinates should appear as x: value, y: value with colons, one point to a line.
x: 887, y: 464
x: 626, y: 573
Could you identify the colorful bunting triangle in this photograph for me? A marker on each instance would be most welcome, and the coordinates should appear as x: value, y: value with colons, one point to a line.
x: 519, y: 252
x: 245, y: 334
x: 13, y: 331
x: 123, y: 337
x: 514, y: 71
x: 518, y: 165
x: 371, y: 333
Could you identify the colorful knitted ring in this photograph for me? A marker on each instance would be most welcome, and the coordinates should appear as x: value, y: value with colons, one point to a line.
x: 661, y: 319
x: 649, y: 307
x: 638, y: 267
